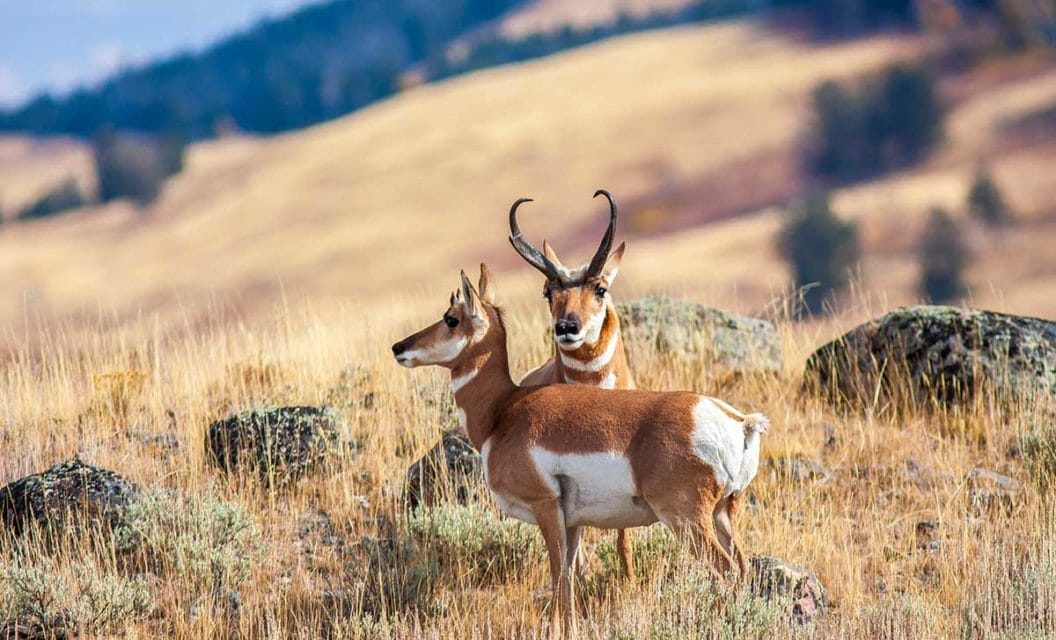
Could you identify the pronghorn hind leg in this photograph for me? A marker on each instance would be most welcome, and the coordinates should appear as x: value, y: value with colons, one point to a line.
x: 723, y: 521
x: 624, y: 549
x: 551, y: 521
x: 573, y: 535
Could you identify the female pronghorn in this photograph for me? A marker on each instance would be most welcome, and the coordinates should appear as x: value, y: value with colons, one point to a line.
x: 567, y: 456
x: 588, y: 348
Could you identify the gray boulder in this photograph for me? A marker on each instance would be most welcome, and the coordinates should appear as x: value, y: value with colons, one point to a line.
x: 771, y: 578
x: 68, y: 496
x: 928, y: 356
x: 722, y: 341
x: 452, y: 469
x: 279, y: 444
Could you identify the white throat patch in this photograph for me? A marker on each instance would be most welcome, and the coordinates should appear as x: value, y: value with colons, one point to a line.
x: 597, y: 364
x: 463, y: 380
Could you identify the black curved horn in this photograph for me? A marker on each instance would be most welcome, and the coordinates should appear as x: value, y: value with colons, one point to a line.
x: 597, y: 263
x: 530, y: 254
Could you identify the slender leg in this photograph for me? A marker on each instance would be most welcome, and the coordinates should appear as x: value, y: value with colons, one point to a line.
x: 573, y: 535
x: 700, y: 536
x: 723, y: 521
x: 738, y: 552
x: 551, y: 521
x: 623, y: 547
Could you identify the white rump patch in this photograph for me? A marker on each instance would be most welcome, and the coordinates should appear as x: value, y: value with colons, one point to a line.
x: 597, y: 489
x: 721, y: 442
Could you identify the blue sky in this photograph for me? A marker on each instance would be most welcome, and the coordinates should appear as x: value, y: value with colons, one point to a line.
x: 57, y: 45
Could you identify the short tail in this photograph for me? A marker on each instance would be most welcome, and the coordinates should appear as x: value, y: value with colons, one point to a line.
x: 755, y: 423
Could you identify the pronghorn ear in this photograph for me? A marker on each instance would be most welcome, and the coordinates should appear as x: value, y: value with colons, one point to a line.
x: 612, y: 265
x: 486, y: 286
x: 548, y: 251
x: 470, y: 299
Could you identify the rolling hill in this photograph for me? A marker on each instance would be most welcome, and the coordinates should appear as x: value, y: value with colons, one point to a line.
x: 695, y: 129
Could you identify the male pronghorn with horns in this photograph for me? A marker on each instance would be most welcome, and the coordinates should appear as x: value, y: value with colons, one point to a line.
x: 564, y: 456
x: 588, y: 348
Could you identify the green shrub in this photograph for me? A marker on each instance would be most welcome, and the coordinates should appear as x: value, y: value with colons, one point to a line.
x: 82, y: 596
x: 450, y: 546
x: 1038, y: 449
x: 134, y: 167
x: 690, y: 605
x: 821, y: 249
x: 64, y: 196
x: 199, y: 540
x: 986, y: 202
x: 899, y: 616
x: 1015, y: 597
x: 474, y: 544
x: 943, y: 258
x: 887, y: 122
x: 653, y: 547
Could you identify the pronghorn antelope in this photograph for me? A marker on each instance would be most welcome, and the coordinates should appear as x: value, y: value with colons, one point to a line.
x: 588, y: 348
x: 567, y: 456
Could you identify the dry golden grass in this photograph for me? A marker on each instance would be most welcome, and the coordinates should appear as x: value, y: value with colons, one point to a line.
x: 991, y: 577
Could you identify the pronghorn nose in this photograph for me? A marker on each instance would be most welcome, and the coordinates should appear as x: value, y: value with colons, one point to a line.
x: 398, y: 348
x: 565, y: 327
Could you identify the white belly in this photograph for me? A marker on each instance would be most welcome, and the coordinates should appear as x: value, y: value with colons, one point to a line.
x: 596, y: 489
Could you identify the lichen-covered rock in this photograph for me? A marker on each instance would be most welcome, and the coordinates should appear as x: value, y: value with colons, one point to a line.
x: 279, y: 444
x: 69, y: 495
x: 452, y: 469
x: 722, y: 341
x: 929, y: 356
x: 771, y: 578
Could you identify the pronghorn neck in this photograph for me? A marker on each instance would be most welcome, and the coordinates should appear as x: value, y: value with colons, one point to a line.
x: 602, y: 363
x: 480, y: 384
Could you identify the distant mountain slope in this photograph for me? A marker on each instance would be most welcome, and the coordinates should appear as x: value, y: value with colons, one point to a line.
x: 685, y: 125
x: 326, y: 60
x: 316, y: 63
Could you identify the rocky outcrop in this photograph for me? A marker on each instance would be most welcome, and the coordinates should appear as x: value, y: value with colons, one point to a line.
x: 279, y: 443
x: 722, y: 341
x: 452, y: 469
x: 771, y: 578
x: 930, y: 356
x: 65, y: 497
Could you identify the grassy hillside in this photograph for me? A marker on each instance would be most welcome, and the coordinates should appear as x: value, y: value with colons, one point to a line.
x: 364, y: 209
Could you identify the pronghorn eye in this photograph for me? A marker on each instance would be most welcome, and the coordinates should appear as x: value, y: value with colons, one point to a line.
x: 600, y: 291
x: 548, y: 294
x: 451, y: 321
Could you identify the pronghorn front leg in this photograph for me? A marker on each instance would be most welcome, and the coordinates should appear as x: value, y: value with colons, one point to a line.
x: 551, y: 521
x: 623, y: 547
